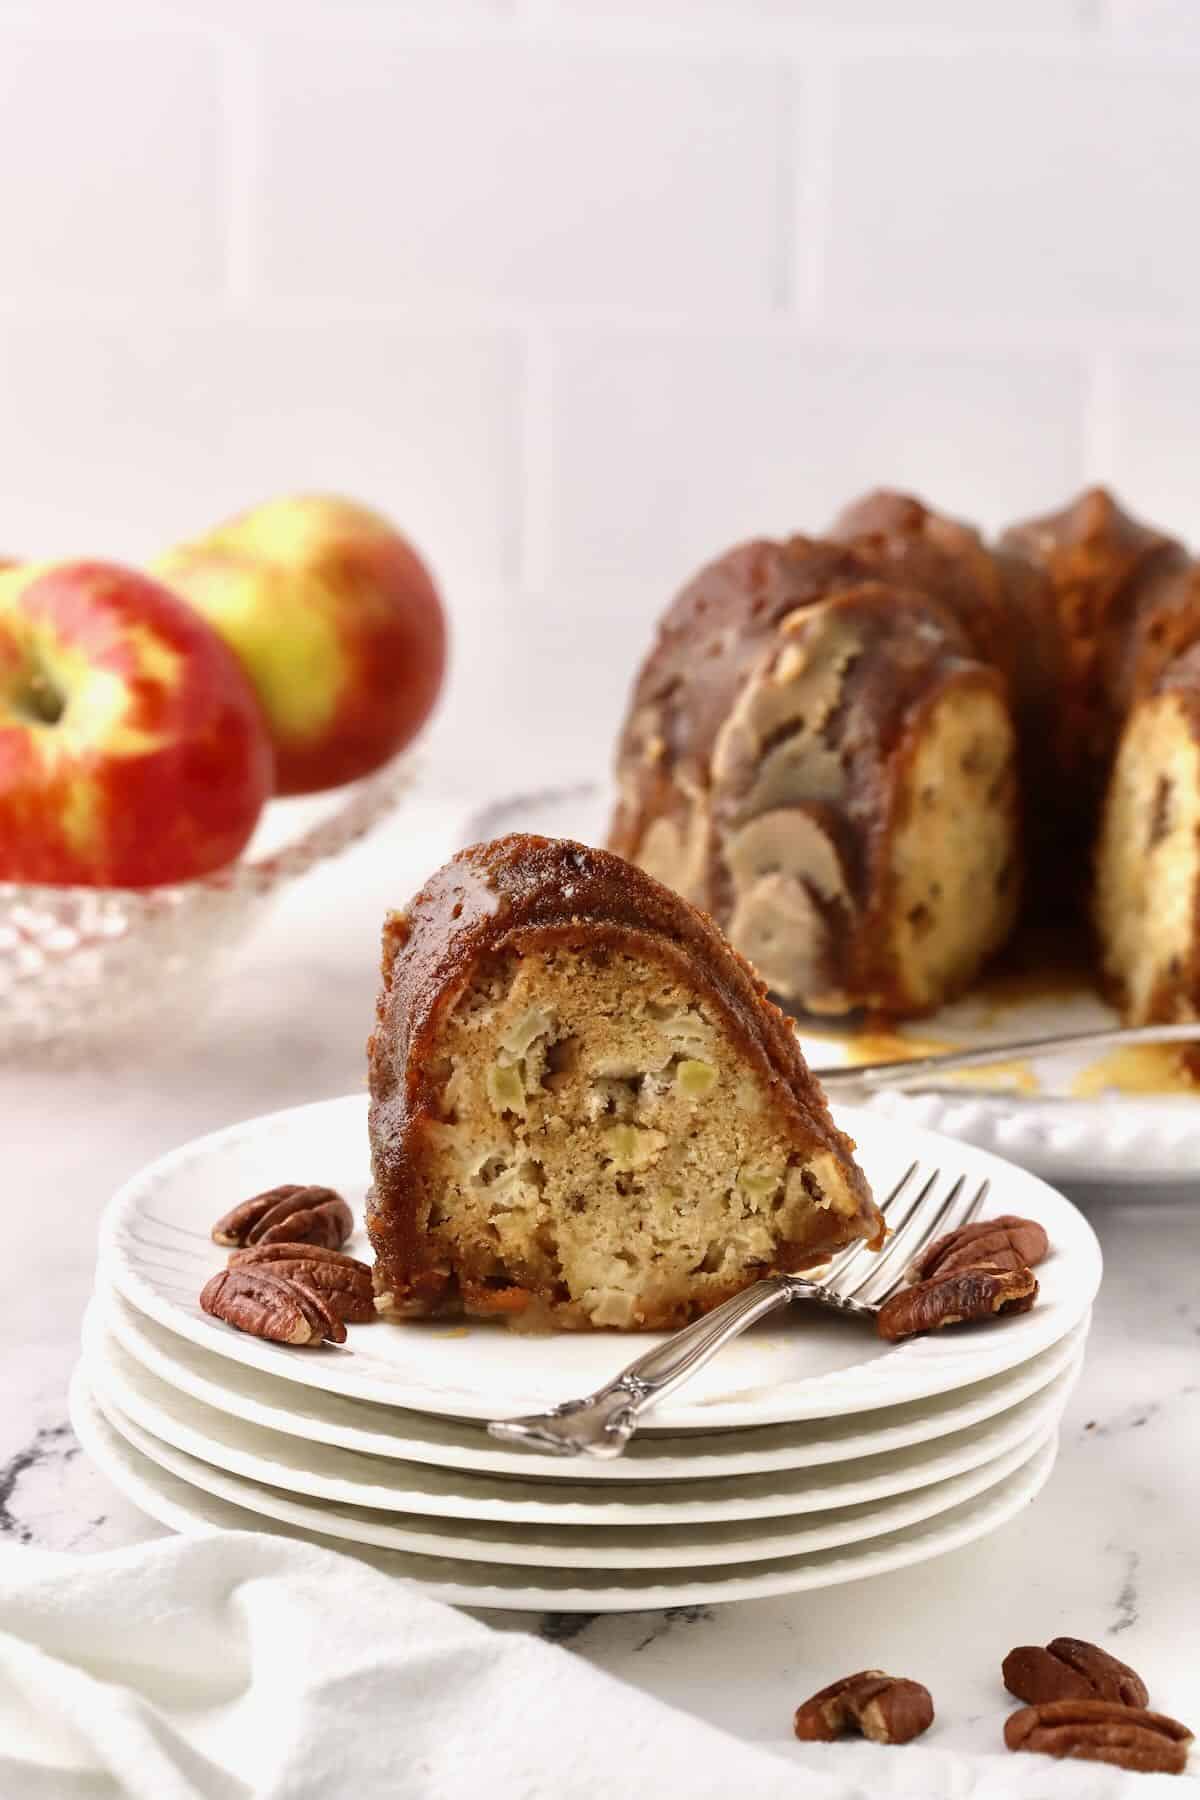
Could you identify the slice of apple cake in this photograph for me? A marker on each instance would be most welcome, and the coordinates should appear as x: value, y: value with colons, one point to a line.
x: 584, y: 1110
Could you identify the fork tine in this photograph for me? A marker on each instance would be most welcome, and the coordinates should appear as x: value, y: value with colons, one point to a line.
x: 886, y: 1205
x: 858, y: 1251
x: 912, y: 1230
x: 976, y: 1206
x: 849, y: 1280
x: 952, y: 1217
x: 949, y: 1216
x: 899, y: 1188
x: 931, y: 1221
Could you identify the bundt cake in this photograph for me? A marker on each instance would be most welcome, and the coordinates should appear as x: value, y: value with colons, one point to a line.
x: 868, y: 755
x: 584, y: 1110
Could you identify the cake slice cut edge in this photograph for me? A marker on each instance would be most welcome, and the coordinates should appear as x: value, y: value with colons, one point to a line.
x: 585, y: 1112
x: 1146, y: 906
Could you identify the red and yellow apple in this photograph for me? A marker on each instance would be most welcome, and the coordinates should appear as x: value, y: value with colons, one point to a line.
x: 132, y: 748
x: 336, y: 621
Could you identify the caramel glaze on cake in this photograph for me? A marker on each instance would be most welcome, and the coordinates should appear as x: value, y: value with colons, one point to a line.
x: 868, y: 755
x: 584, y: 1110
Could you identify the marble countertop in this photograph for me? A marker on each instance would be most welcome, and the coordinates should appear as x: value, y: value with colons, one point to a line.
x: 1107, y: 1552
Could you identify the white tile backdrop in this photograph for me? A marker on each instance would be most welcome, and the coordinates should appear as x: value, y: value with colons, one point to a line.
x: 582, y: 290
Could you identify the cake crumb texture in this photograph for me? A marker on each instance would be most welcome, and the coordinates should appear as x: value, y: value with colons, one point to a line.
x: 606, y: 1124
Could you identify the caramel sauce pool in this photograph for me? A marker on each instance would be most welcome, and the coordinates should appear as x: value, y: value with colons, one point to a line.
x: 1043, y: 966
x: 1138, y: 1069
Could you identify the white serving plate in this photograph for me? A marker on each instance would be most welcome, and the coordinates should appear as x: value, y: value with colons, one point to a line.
x: 306, y: 1412
x: 1112, y: 1140
x: 552, y: 1547
x: 178, y: 1503
x: 348, y: 1478
x: 155, y: 1249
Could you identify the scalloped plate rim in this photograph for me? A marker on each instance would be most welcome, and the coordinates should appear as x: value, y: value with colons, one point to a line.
x: 1119, y: 1142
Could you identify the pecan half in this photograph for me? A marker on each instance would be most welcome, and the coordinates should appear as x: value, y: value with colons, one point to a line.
x: 1003, y: 1243
x: 282, y: 1251
x: 268, y: 1305
x: 955, y: 1299
x: 343, y: 1282
x: 885, y: 1708
x: 1101, y: 1731
x: 1071, y: 1669
x: 314, y: 1215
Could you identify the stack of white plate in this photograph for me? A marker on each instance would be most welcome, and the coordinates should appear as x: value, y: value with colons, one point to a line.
x: 807, y: 1453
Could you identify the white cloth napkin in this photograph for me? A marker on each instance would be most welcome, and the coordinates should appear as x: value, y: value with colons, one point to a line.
x: 243, y: 1665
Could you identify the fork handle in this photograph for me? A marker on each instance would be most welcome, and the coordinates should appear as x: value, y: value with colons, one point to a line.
x: 602, y: 1423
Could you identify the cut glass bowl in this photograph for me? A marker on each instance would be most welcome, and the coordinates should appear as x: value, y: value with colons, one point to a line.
x: 82, y: 967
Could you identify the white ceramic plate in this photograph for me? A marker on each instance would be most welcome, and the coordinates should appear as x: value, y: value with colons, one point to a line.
x: 385, y: 1485
x: 156, y: 1251
x: 552, y: 1547
x: 1139, y: 1147
x: 172, y: 1501
x: 1114, y: 1139
x: 305, y: 1412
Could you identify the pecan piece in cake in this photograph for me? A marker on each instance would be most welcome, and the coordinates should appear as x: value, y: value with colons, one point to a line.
x: 1003, y: 1243
x: 977, y: 1293
x: 885, y: 1708
x: 288, y: 1214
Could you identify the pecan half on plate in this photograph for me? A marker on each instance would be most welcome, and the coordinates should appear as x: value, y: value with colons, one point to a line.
x: 977, y: 1293
x: 1071, y: 1669
x: 291, y: 1214
x: 888, y: 1709
x: 1101, y: 1731
x: 268, y: 1305
x: 342, y: 1281
x: 1003, y: 1243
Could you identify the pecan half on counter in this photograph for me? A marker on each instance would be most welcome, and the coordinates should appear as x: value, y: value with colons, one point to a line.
x: 1101, y: 1731
x: 265, y: 1304
x: 343, y: 1282
x: 287, y: 1214
x: 1071, y: 1669
x: 976, y: 1293
x: 1003, y: 1243
x: 885, y: 1708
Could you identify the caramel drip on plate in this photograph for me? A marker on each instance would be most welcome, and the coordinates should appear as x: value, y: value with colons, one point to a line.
x: 1138, y: 1069
x: 874, y: 1046
x: 1042, y: 966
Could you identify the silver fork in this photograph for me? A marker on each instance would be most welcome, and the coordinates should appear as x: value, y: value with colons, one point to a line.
x: 857, y: 1281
